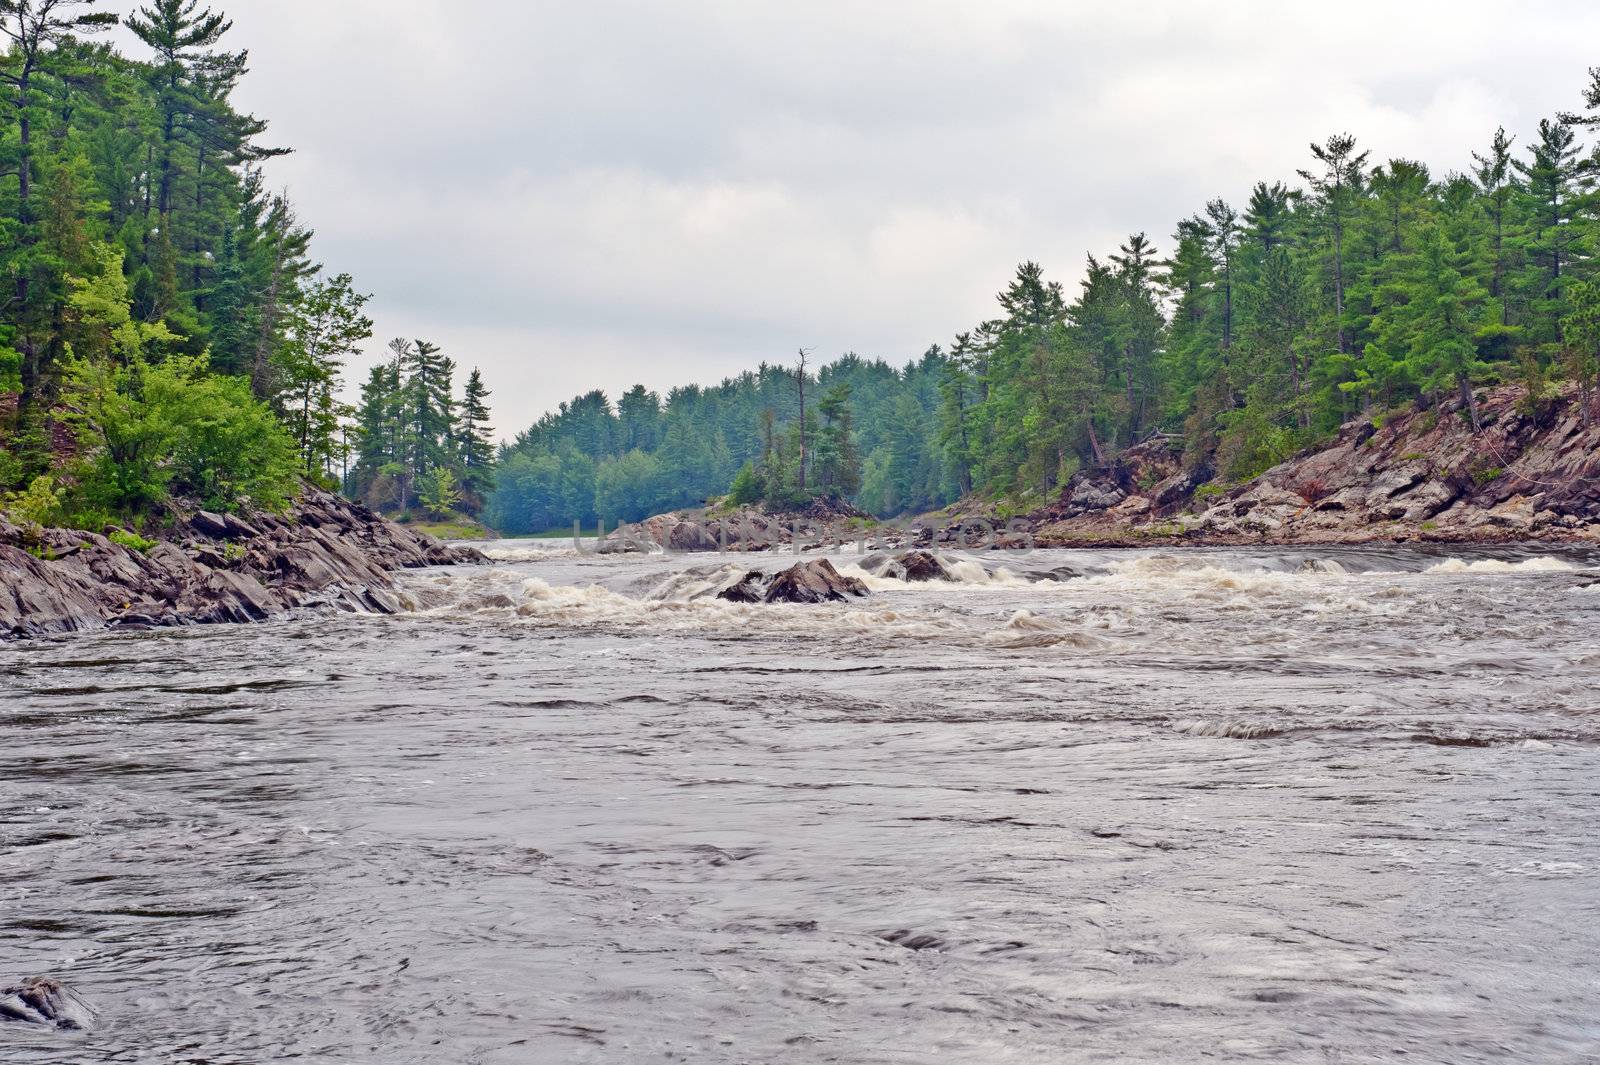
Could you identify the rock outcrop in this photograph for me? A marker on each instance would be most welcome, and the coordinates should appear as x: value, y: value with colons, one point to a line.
x: 1421, y: 474
x: 749, y: 528
x: 45, y: 1002
x: 1417, y: 474
x: 815, y: 581
x: 211, y: 568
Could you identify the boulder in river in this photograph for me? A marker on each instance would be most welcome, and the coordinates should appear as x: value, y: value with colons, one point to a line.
x: 46, y: 1002
x: 922, y: 566
x: 750, y: 588
x: 815, y: 581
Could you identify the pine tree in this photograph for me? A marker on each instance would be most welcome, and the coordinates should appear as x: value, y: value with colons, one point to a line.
x: 1223, y: 232
x: 1581, y: 328
x: 1551, y: 200
x: 1267, y: 216
x: 181, y: 39
x: 838, y: 462
x: 1496, y: 183
x: 477, y: 449
x: 326, y: 325
x: 36, y: 28
x: 1335, y: 187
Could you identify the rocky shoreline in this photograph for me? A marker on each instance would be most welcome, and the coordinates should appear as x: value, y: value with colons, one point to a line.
x: 1417, y: 475
x: 211, y: 568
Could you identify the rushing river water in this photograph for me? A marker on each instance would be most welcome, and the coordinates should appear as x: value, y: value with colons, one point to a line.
x: 1299, y: 806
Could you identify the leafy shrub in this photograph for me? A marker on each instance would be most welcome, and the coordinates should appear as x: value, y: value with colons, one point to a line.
x: 38, y: 504
x: 149, y: 430
x: 748, y: 486
x: 1536, y: 385
x: 131, y: 540
x: 1252, y: 443
x: 437, y: 492
x: 10, y: 361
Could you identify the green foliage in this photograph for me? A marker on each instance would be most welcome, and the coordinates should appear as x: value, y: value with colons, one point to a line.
x: 160, y: 301
x: 10, y: 361
x: 409, y: 424
x: 41, y: 503
x: 438, y: 492
x: 149, y: 430
x: 230, y: 450
x: 131, y: 540
x: 748, y: 486
x: 1581, y: 327
x: 323, y: 328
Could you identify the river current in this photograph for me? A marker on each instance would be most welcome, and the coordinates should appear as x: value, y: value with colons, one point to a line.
x: 1319, y: 805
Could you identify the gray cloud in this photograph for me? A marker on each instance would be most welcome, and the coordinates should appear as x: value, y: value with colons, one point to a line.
x: 588, y: 195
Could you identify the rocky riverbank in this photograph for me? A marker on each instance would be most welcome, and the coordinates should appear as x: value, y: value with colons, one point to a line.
x: 1414, y: 475
x: 210, y: 568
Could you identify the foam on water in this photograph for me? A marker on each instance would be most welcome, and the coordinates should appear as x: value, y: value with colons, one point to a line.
x: 875, y: 573
x: 528, y: 553
x: 1202, y: 575
x: 1541, y: 564
x: 685, y: 602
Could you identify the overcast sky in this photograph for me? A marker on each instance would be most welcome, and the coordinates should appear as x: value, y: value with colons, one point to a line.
x: 585, y: 194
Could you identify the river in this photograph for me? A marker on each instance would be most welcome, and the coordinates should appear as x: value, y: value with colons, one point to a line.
x: 1317, y: 805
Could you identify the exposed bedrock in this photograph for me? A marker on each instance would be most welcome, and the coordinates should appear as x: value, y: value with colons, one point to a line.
x: 211, y: 568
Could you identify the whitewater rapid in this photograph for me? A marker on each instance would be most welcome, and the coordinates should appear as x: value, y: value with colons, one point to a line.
x: 1290, y: 805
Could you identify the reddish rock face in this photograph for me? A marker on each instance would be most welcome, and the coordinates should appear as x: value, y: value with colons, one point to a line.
x: 1418, y: 474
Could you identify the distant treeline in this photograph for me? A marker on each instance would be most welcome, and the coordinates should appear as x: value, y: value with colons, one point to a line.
x: 1254, y: 331
x: 590, y: 460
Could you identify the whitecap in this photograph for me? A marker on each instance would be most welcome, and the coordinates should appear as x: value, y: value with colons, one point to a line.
x: 1542, y: 564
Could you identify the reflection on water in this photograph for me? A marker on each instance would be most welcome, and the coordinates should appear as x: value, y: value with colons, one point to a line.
x: 1300, y: 805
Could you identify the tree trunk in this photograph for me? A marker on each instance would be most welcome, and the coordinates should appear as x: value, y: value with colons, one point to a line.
x: 1338, y: 282
x: 261, y: 368
x: 1227, y: 310
x: 1497, y: 286
x: 800, y: 377
x: 199, y: 205
x: 167, y: 133
x: 1094, y: 444
x: 29, y: 351
x: 305, y: 427
x: 1470, y: 401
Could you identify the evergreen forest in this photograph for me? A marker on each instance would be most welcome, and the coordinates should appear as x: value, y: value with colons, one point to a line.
x: 1251, y: 330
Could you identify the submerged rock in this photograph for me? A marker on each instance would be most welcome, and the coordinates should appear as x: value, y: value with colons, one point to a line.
x: 45, y: 1002
x: 804, y: 582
